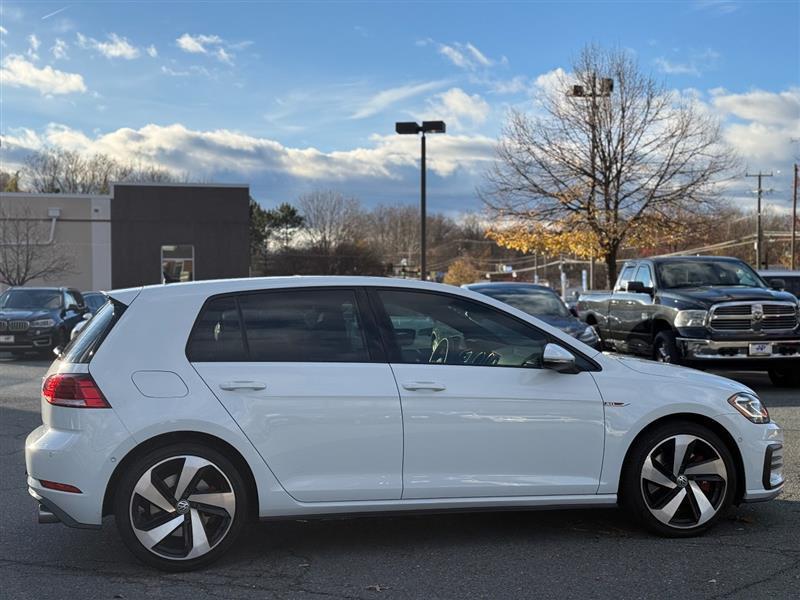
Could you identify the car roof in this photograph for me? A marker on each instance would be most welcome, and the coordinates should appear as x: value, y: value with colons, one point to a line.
x: 679, y: 259
x: 505, y: 286
x: 784, y: 272
x: 38, y: 288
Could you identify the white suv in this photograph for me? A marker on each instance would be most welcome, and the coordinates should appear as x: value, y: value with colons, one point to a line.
x: 185, y: 410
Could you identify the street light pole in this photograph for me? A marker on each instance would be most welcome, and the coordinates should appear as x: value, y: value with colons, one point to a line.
x: 794, y: 216
x: 423, y: 254
x: 412, y: 128
x: 759, y: 234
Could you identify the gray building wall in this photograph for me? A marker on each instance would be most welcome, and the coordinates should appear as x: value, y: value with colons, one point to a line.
x: 212, y: 218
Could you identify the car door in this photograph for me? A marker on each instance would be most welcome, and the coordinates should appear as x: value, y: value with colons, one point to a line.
x: 636, y: 313
x: 480, y: 415
x: 617, y: 304
x: 300, y: 374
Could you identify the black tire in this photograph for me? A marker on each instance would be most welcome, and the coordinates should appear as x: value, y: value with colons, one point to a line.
x: 665, y: 349
x: 784, y: 377
x: 218, y: 531
x: 643, y: 498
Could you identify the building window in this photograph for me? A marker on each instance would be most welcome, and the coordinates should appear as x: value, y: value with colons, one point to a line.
x: 177, y: 263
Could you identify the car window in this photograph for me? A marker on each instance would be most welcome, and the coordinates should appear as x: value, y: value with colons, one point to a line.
x: 85, y: 346
x: 625, y: 277
x: 303, y: 326
x: 534, y: 301
x: 280, y: 326
x: 442, y: 329
x: 217, y: 334
x: 643, y: 275
x: 701, y: 273
x: 30, y: 298
x: 70, y: 300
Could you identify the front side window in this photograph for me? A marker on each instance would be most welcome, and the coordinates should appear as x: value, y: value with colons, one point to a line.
x: 625, y: 277
x: 441, y: 329
x: 280, y: 326
x: 643, y: 276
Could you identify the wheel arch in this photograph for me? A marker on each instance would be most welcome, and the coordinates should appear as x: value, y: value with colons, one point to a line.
x: 176, y: 437
x: 698, y: 419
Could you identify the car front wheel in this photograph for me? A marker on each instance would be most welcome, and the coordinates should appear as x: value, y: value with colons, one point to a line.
x: 679, y: 479
x: 181, y: 507
x: 665, y: 349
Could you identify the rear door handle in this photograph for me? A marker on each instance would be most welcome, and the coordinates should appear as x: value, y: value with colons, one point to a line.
x: 424, y: 385
x: 231, y: 386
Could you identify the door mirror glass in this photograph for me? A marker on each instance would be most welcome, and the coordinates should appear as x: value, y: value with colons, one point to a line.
x: 558, y: 358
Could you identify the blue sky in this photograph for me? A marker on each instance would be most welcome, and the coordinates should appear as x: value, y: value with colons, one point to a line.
x: 295, y: 96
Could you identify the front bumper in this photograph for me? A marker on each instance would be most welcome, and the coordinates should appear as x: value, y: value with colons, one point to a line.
x: 33, y: 339
x: 713, y: 351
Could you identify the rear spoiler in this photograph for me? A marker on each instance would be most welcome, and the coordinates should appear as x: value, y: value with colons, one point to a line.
x: 124, y: 296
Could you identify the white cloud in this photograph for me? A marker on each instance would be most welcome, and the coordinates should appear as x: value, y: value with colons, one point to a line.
x: 202, y: 153
x: 3, y: 30
x: 696, y: 64
x: 465, y: 56
x: 115, y: 47
x: 16, y: 71
x: 59, y: 49
x: 760, y: 105
x: 458, y: 108
x: 196, y: 44
x: 386, y: 98
x: 151, y: 51
x: 33, y: 47
x: 673, y: 68
x: 224, y: 56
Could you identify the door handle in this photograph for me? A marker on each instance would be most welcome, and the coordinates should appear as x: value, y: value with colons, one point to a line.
x: 424, y: 385
x: 230, y: 386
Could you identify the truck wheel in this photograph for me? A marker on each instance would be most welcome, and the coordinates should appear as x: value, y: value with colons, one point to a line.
x: 665, y: 349
x: 784, y: 377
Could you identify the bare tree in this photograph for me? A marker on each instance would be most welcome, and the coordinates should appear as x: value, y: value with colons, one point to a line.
x: 27, y: 251
x: 55, y: 170
x: 601, y: 165
x: 331, y: 219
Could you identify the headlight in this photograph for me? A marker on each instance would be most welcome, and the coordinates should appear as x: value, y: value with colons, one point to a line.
x: 691, y: 318
x: 750, y: 406
x: 589, y: 335
x: 43, y: 323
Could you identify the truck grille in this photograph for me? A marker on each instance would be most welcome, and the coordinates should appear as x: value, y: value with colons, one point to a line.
x: 753, y: 316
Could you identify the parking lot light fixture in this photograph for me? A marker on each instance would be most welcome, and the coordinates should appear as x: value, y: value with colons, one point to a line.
x: 413, y: 128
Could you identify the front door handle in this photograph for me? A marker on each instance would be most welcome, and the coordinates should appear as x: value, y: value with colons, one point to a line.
x: 424, y: 385
x: 230, y: 386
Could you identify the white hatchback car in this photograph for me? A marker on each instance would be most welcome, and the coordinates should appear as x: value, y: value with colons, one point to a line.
x: 185, y: 410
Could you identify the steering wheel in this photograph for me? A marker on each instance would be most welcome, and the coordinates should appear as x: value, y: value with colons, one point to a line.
x: 439, y: 353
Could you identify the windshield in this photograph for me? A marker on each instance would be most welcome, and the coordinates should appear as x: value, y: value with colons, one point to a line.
x: 24, y: 299
x: 535, y: 302
x: 703, y: 273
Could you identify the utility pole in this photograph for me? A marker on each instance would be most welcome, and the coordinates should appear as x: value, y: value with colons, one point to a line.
x: 794, y: 216
x: 759, y: 235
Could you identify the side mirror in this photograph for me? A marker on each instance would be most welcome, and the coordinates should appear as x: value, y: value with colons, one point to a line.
x: 87, y: 315
x: 637, y: 287
x: 777, y: 284
x: 559, y: 359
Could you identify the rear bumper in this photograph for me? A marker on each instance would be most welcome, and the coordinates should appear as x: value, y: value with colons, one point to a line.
x: 737, y: 352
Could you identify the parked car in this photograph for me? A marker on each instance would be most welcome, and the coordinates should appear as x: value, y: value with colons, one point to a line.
x: 703, y: 311
x: 185, y: 410
x: 541, y: 302
x: 94, y: 301
x: 783, y: 279
x: 38, y: 318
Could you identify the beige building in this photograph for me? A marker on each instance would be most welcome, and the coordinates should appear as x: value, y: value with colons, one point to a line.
x: 77, y: 225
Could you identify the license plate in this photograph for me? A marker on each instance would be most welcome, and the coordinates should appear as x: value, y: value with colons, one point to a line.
x: 6, y: 339
x: 760, y: 349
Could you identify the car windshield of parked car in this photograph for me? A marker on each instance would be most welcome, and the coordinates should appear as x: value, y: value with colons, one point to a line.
x: 27, y: 299
x: 707, y: 273
x: 539, y: 303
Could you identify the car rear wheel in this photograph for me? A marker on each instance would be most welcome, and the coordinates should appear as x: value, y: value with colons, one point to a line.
x: 180, y: 507
x: 679, y: 479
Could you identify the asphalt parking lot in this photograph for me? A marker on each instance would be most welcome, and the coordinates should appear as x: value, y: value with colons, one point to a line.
x: 753, y: 553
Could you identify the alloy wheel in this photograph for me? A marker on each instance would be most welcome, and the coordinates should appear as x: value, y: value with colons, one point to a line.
x: 684, y: 481
x: 182, y: 507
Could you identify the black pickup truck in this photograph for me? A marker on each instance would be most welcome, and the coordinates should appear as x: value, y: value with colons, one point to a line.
x: 700, y: 311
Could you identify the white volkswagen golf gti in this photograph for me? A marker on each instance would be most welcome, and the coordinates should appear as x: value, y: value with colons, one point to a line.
x: 187, y: 410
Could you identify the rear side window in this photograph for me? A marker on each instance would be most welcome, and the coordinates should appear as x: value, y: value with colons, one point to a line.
x: 217, y: 334
x: 280, y: 326
x: 86, y: 344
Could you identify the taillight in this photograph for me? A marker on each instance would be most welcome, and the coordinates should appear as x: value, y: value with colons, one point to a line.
x: 76, y: 390
x: 61, y: 487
